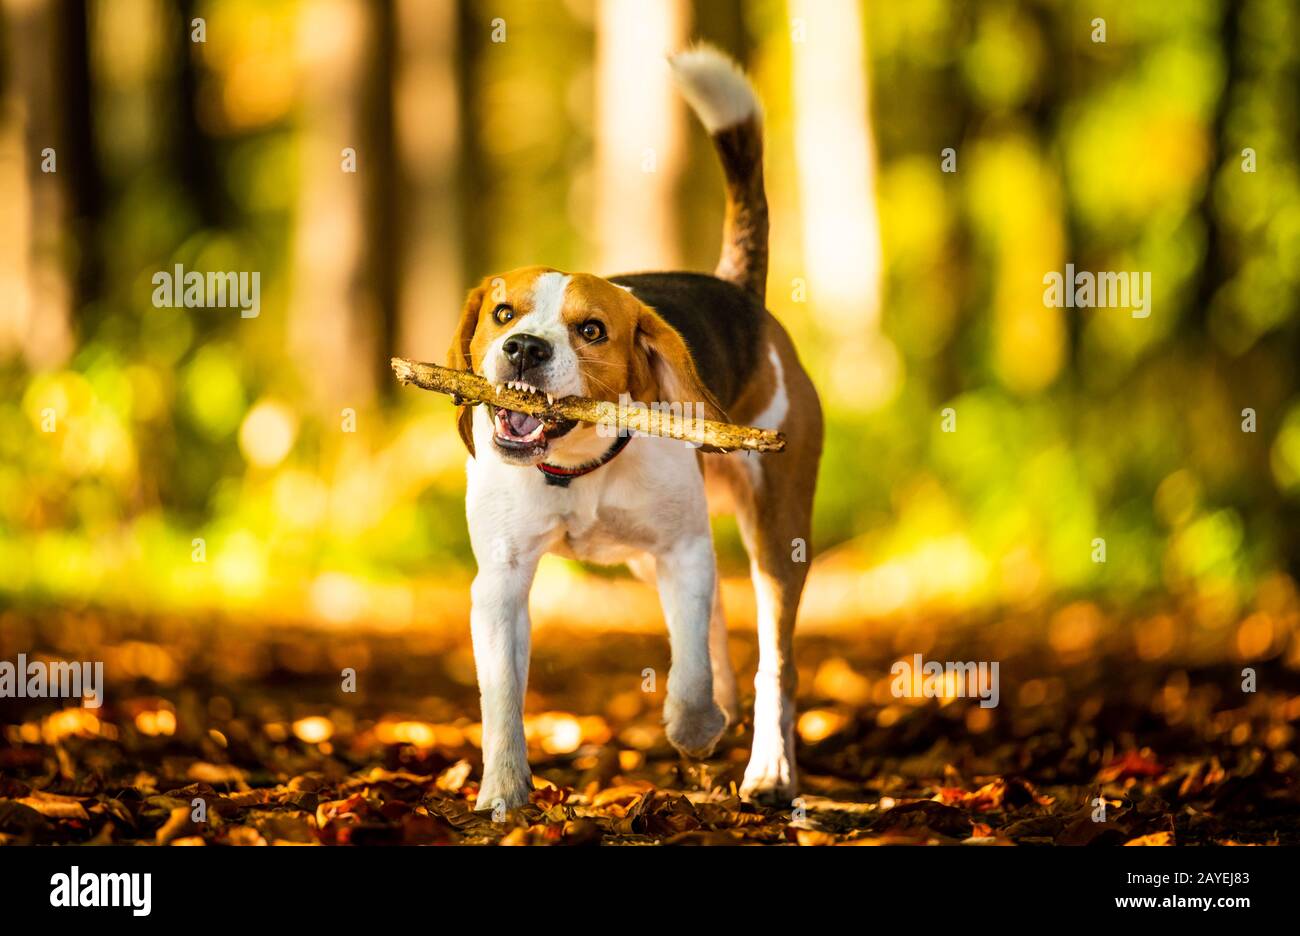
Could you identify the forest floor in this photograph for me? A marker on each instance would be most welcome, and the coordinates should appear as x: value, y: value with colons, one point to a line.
x: 258, y: 724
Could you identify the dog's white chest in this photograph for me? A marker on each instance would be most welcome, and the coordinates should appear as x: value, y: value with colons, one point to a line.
x: 644, y: 501
x: 607, y: 535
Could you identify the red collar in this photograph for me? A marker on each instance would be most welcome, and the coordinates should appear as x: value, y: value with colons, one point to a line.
x: 559, y: 476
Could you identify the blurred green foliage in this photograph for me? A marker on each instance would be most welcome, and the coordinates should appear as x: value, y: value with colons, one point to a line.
x: 1070, y: 424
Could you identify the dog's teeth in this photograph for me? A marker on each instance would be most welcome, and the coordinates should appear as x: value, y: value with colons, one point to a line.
x: 550, y: 400
x: 522, y: 386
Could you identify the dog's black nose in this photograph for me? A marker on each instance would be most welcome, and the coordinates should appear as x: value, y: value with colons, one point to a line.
x: 525, y: 351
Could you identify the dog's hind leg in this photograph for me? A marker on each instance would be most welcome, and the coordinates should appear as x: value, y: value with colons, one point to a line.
x: 773, y: 496
x: 772, y: 527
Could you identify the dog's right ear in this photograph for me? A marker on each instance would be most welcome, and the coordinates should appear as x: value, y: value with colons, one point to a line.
x: 458, y: 355
x: 460, y: 358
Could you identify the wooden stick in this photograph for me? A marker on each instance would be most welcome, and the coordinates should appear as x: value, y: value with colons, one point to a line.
x: 470, y: 388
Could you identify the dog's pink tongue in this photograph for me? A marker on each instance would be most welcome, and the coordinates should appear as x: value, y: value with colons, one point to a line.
x: 521, y: 423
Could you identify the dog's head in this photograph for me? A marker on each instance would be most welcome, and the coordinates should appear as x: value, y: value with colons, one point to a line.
x: 567, y: 335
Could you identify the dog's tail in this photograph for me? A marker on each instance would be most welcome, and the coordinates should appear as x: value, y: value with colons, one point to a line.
x: 726, y: 104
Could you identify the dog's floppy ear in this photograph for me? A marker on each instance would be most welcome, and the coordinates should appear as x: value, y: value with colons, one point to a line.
x: 667, y: 374
x: 458, y: 358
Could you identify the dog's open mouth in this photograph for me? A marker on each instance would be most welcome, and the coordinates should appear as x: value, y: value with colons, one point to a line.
x: 527, y: 434
x: 519, y: 429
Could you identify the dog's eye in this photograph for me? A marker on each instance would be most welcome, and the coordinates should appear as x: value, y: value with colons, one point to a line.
x: 591, y: 330
x: 503, y: 314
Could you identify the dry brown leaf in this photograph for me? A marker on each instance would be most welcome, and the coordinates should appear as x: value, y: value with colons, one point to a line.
x: 54, y: 806
x: 178, y: 825
x: 217, y: 774
x: 1131, y: 765
x: 621, y: 795
x: 453, y: 779
x: 1155, y: 838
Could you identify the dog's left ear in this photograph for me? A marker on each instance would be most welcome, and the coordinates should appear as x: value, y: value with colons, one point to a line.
x: 667, y: 374
x: 458, y: 358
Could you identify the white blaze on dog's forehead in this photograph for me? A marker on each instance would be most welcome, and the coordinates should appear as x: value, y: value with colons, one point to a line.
x: 548, y: 302
x: 561, y: 374
x: 546, y: 320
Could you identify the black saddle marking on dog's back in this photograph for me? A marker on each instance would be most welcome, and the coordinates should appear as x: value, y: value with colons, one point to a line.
x: 720, y: 322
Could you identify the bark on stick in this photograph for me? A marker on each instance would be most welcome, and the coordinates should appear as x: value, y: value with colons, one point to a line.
x: 471, y: 388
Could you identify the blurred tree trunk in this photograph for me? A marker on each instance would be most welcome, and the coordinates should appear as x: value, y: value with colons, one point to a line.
x: 1214, y: 272
x: 1057, y: 87
x: 331, y: 310
x: 837, y: 187
x: 427, y: 130
x: 640, y: 147
x: 195, y: 155
x: 699, y: 201
x: 78, y: 159
x: 383, y: 184
x: 470, y: 37
x: 39, y: 299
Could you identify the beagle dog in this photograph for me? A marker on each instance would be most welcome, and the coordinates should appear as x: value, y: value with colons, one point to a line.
x: 585, y: 492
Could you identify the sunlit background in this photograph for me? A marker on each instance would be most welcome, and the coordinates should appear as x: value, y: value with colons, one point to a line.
x: 201, y: 462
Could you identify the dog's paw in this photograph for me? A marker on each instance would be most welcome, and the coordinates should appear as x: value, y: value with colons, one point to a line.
x: 503, y: 790
x: 731, y: 713
x: 694, y: 731
x: 725, y: 697
x: 769, y: 780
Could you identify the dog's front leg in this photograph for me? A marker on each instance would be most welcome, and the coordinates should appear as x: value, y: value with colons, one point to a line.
x: 500, y: 630
x: 686, y: 576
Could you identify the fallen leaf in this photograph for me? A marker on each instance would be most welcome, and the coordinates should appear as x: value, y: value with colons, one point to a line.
x: 55, y: 806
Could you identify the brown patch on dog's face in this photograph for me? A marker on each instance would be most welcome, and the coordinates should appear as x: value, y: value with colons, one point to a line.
x: 494, y: 306
x: 568, y: 334
x: 603, y: 319
x: 640, y: 356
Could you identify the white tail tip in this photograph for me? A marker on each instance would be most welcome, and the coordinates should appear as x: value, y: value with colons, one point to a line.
x: 715, y: 87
